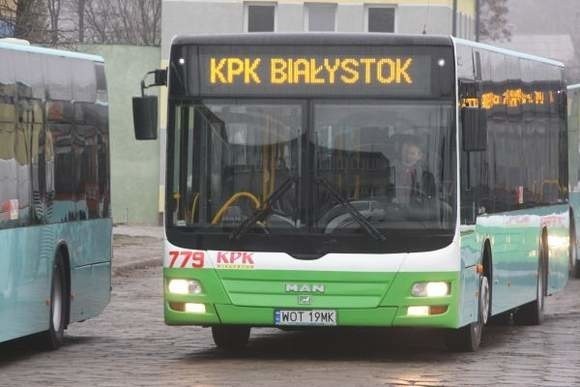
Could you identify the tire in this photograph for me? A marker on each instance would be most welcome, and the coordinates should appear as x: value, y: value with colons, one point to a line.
x: 533, y: 313
x: 468, y: 338
x: 574, y: 264
x: 230, y: 337
x: 54, y: 336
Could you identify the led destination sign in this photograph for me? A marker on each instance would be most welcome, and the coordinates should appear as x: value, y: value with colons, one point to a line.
x: 315, y: 71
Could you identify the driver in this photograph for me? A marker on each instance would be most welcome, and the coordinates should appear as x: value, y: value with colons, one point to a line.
x: 412, y: 181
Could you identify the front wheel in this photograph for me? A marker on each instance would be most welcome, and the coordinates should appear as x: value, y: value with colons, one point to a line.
x: 468, y: 338
x: 230, y: 337
x: 54, y: 336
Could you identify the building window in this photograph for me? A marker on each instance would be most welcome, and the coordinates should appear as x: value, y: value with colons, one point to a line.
x: 260, y: 17
x: 320, y: 17
x: 381, y: 19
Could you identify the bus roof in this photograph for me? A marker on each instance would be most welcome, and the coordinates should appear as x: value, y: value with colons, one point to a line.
x: 337, y: 38
x: 49, y: 51
x: 508, y: 52
x: 314, y: 39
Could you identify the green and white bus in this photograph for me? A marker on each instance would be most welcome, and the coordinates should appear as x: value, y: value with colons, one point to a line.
x: 365, y: 180
x: 55, y: 223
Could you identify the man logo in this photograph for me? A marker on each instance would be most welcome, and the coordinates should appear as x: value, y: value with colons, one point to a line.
x: 304, y: 288
x: 304, y: 300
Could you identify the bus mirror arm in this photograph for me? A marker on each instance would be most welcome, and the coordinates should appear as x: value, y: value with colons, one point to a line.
x: 159, y: 79
x: 145, y: 107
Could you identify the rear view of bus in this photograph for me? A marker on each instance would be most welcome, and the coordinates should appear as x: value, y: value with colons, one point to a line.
x: 312, y: 181
x: 55, y: 224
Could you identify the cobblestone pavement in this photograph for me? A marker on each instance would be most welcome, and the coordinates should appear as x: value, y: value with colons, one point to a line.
x: 130, y: 345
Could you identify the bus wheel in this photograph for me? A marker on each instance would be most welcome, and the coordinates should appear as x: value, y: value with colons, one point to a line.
x: 230, y: 337
x: 53, y: 338
x: 468, y: 338
x: 533, y: 313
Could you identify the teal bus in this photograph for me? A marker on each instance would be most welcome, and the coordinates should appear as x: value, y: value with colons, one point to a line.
x: 55, y: 223
x: 363, y: 180
x: 574, y: 164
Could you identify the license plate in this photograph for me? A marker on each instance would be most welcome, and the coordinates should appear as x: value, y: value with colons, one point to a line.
x: 305, y: 317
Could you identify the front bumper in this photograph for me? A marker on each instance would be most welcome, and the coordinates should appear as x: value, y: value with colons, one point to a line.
x: 390, y: 309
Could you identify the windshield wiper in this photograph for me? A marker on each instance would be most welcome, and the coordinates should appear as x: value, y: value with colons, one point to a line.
x: 261, y: 212
x: 357, y: 216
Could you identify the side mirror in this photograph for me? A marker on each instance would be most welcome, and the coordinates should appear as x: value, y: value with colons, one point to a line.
x: 145, y: 107
x: 145, y: 117
x: 474, y: 129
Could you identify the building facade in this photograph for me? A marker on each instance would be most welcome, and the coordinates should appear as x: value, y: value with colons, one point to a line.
x: 443, y: 17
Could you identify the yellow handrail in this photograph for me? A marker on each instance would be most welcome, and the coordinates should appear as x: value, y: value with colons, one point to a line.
x: 193, y: 205
x: 218, y: 217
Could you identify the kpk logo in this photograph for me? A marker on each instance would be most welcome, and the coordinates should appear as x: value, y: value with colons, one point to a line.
x: 234, y: 260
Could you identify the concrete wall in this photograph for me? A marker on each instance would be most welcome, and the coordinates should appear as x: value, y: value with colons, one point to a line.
x: 134, y: 164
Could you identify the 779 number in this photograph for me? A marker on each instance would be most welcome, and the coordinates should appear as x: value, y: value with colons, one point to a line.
x: 186, y: 259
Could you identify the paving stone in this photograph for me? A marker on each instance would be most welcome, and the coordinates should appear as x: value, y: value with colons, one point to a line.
x: 129, y: 345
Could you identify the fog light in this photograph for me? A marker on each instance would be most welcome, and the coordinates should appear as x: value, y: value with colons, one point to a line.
x: 182, y: 286
x: 194, y: 308
x: 430, y: 289
x: 418, y: 311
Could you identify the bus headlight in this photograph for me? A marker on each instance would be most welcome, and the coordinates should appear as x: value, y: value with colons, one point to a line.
x: 558, y: 242
x: 430, y: 289
x: 183, y: 286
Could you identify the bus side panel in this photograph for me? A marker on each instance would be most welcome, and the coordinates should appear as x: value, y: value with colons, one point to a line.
x: 470, y: 257
x: 26, y: 261
x: 90, y: 250
x: 514, y: 241
x: 558, y: 225
x: 25, y: 272
x: 574, y: 156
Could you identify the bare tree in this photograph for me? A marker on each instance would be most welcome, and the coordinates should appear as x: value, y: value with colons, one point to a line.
x: 65, y: 22
x: 54, y: 7
x: 25, y: 18
x: 494, y: 24
x: 80, y: 6
x: 123, y: 22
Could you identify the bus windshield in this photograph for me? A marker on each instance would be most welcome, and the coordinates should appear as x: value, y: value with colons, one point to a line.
x: 391, y: 160
x: 313, y: 167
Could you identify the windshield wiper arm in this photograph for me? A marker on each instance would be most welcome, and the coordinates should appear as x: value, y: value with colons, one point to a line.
x: 357, y: 216
x: 261, y: 212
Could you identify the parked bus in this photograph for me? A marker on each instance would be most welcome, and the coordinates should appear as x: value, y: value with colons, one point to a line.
x: 319, y: 180
x: 574, y: 165
x: 55, y: 222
